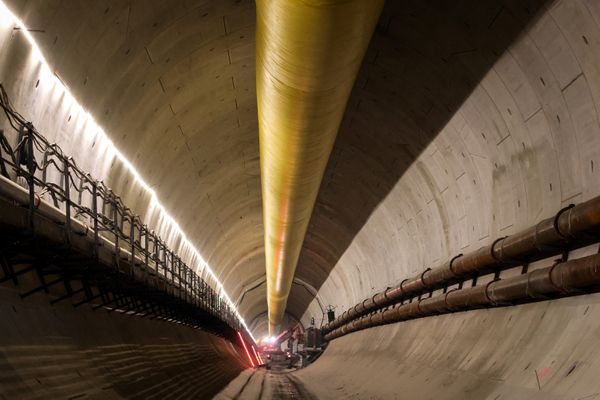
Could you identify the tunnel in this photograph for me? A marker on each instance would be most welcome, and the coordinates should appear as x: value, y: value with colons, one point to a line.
x: 300, y: 199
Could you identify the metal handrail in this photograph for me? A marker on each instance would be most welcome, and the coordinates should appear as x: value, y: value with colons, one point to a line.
x: 87, y: 200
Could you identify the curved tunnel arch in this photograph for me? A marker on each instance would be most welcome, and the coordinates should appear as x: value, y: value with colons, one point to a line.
x: 422, y: 85
x: 468, y: 121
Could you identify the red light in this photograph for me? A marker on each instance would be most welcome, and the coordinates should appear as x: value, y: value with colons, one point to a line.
x: 256, y: 356
x: 262, y: 362
x: 245, y: 348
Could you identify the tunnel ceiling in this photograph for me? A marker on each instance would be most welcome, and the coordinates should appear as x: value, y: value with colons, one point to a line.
x: 173, y: 85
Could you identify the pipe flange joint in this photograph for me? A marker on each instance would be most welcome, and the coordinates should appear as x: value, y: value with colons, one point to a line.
x: 487, y: 292
x: 556, y: 287
x: 451, y: 264
x: 402, y: 287
x: 565, y: 235
x: 423, y: 277
x: 373, y: 299
x: 493, y: 252
x: 419, y: 311
x: 446, y: 298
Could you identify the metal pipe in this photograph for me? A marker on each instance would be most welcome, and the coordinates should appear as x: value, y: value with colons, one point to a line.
x: 548, y: 237
x: 308, y: 53
x: 561, y: 279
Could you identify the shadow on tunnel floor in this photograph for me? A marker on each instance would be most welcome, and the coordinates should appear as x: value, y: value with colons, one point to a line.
x: 425, y: 59
x: 60, y: 352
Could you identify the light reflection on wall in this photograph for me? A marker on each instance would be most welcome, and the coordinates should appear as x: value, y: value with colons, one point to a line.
x: 48, y: 100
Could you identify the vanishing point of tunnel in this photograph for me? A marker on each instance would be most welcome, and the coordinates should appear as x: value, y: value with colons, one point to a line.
x: 300, y: 199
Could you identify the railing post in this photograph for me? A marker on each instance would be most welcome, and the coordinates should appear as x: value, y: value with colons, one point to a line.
x: 113, y: 203
x: 186, y: 288
x: 205, y: 296
x: 179, y: 279
x: 186, y: 285
x: 132, y: 239
x: 194, y: 289
x: 179, y: 287
x: 67, y: 195
x: 169, y: 269
x: 80, y: 190
x: 95, y: 218
x: 164, y: 256
x: 146, y: 250
x: 3, y: 169
x: 200, y: 291
x: 158, y: 260
x: 26, y: 158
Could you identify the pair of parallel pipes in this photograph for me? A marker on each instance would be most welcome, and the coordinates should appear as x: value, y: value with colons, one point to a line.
x: 571, y: 225
x: 562, y: 278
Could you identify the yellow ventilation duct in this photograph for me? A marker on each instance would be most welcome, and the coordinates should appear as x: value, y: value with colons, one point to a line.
x: 308, y: 53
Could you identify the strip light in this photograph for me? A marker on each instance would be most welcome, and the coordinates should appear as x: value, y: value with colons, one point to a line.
x: 246, y: 348
x: 256, y: 356
x: 7, y: 14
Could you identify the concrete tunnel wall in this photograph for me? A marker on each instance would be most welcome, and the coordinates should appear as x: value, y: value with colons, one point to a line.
x: 524, y: 143
x: 57, y: 351
x: 468, y: 121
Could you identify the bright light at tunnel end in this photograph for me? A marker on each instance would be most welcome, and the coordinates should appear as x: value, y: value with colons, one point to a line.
x: 269, y: 339
x: 7, y: 16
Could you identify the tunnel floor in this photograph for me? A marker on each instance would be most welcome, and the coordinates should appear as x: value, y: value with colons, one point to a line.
x: 278, y: 383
